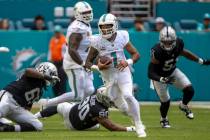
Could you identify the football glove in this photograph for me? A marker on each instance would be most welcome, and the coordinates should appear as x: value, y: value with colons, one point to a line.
x: 206, y: 62
x: 167, y: 80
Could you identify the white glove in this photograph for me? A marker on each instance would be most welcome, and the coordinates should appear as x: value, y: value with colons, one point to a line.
x: 56, y: 78
x: 94, y: 68
x: 130, y: 128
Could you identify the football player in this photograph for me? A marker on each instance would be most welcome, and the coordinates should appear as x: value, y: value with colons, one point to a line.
x: 117, y: 76
x: 17, y: 98
x: 78, y: 33
x: 93, y: 110
x: 163, y: 71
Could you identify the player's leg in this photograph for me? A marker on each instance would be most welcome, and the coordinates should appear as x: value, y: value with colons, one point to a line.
x: 183, y: 83
x: 126, y: 87
x: 4, y: 104
x: 25, y: 120
x: 118, y: 99
x: 76, y: 83
x: 162, y: 92
x: 64, y: 109
x: 89, y: 87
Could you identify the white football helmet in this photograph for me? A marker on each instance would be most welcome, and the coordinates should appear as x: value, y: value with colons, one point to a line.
x: 167, y: 38
x: 47, y: 68
x: 83, y: 12
x: 107, y: 25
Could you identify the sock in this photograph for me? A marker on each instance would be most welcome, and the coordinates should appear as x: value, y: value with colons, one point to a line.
x: 66, y: 97
x: 27, y: 127
x: 49, y: 111
x: 188, y: 95
x: 17, y: 128
x: 134, y: 108
x: 164, y: 108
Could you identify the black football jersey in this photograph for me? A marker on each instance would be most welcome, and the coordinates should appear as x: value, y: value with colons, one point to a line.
x: 82, y: 115
x: 167, y: 59
x: 26, y: 90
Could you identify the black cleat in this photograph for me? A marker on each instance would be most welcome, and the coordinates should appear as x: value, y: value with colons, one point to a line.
x: 186, y: 110
x: 165, y: 123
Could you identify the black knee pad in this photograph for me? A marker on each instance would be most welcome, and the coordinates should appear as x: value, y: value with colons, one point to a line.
x: 189, y: 90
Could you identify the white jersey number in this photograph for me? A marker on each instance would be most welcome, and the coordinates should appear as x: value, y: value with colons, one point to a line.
x: 169, y: 64
x: 84, y: 108
x: 32, y: 95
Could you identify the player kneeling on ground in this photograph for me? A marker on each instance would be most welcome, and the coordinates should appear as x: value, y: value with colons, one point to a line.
x: 87, y: 114
x: 162, y: 70
x: 17, y: 98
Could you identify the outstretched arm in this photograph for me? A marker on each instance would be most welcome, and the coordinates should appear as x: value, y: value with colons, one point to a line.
x: 191, y: 56
x: 108, y: 124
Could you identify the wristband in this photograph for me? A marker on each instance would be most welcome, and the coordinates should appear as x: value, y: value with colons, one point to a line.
x: 200, y: 61
x: 94, y: 68
x: 129, y: 61
x: 130, y: 129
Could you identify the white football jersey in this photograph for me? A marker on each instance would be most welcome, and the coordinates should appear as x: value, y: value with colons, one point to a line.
x: 86, y: 31
x: 115, y: 49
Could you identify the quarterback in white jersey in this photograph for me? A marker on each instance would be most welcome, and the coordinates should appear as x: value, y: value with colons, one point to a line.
x: 78, y: 34
x: 117, y: 76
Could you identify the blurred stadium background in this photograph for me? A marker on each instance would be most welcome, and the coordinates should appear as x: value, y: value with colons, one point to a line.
x: 28, y: 45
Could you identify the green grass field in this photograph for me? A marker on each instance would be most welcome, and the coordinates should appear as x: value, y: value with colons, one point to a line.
x: 182, y: 128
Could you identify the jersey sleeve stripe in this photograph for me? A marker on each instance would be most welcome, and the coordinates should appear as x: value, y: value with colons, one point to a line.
x: 74, y: 84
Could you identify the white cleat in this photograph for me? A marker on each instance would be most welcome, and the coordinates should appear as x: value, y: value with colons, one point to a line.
x: 140, y: 131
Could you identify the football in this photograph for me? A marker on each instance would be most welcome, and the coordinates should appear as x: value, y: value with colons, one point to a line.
x: 104, y: 59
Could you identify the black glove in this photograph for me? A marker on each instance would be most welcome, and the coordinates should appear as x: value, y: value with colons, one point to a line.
x: 167, y: 80
x: 206, y: 62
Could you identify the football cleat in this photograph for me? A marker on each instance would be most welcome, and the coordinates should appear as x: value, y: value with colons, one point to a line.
x: 186, y: 110
x: 140, y: 131
x: 165, y: 123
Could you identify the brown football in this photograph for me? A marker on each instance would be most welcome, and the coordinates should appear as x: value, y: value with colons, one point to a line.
x: 104, y: 59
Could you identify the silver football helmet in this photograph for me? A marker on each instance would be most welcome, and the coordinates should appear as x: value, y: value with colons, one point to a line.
x: 167, y: 38
x: 49, y: 69
x: 102, y: 97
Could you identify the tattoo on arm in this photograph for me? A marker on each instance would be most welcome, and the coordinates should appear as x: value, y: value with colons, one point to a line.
x: 74, y: 42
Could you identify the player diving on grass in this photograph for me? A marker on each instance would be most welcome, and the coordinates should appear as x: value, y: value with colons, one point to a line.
x: 93, y: 110
x: 17, y: 98
x: 78, y: 33
x: 109, y: 46
x: 163, y: 71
